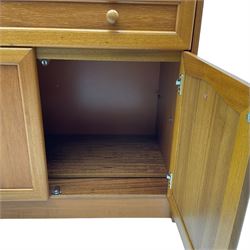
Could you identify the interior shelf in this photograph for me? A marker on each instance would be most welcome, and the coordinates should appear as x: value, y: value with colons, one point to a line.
x: 111, y: 186
x: 104, y: 156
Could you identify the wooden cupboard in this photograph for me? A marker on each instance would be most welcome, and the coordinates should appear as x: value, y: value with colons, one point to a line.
x: 113, y: 115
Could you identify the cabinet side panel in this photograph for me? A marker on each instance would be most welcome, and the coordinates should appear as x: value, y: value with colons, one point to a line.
x: 14, y: 155
x: 166, y: 107
x: 197, y: 26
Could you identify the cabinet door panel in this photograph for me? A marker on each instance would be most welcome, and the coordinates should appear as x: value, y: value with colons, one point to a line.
x: 210, y: 154
x: 22, y: 159
x: 15, y: 172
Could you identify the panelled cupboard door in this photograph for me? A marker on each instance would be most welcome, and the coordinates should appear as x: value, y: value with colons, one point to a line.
x: 210, y: 154
x: 23, y: 174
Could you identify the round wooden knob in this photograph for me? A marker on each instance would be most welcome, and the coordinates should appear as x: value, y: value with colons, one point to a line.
x: 112, y: 16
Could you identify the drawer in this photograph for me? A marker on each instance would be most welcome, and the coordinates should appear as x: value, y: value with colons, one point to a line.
x: 89, y: 16
x: 149, y: 24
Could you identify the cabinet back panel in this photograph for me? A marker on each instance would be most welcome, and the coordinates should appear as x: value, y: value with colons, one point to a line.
x: 83, y: 97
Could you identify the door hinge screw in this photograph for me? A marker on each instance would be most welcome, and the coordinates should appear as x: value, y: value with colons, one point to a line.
x: 169, y: 178
x: 248, y: 117
x: 179, y: 84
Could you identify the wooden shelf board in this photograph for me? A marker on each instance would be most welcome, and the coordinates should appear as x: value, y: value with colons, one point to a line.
x: 111, y: 186
x: 104, y: 156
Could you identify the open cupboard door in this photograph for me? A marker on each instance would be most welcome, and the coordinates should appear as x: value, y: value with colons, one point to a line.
x: 210, y: 154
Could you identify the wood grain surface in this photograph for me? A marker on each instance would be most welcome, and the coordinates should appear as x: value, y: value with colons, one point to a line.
x: 85, y: 206
x: 234, y: 91
x: 211, y: 148
x: 110, y: 186
x: 239, y: 220
x: 88, y: 16
x: 108, y: 55
x: 106, y: 156
x: 197, y: 26
x: 144, y: 26
x: 204, y: 156
x: 104, y: 1
x: 22, y: 154
x: 15, y: 172
x: 169, y: 73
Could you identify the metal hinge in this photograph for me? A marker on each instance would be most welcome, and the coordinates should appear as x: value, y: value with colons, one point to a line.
x: 169, y: 178
x: 179, y: 84
x: 248, y: 117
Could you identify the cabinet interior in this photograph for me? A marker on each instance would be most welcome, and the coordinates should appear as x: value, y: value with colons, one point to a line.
x: 108, y: 125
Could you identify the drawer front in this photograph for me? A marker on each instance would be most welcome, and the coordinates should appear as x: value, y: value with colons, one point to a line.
x: 138, y: 24
x: 89, y: 16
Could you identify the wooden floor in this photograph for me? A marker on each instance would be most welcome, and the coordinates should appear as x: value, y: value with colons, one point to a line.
x: 104, y: 156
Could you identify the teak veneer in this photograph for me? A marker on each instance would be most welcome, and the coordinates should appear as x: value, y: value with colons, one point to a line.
x: 108, y: 156
x: 92, y: 123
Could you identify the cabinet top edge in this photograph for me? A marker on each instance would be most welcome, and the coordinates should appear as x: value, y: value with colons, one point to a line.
x: 104, y: 1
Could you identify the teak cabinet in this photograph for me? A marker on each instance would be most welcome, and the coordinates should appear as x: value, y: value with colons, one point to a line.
x: 106, y: 111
